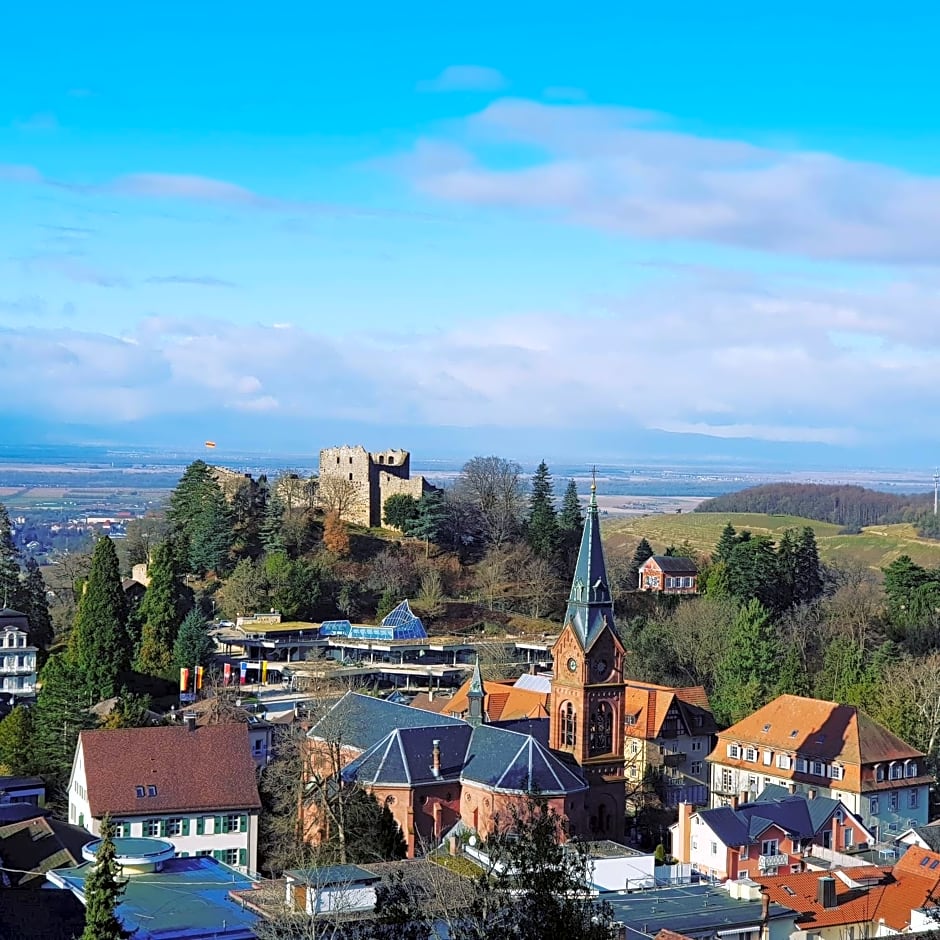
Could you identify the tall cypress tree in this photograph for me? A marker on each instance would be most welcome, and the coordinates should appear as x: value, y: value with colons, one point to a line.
x: 99, y: 646
x: 542, y: 524
x: 36, y: 607
x: 103, y: 890
x: 10, y: 588
x: 808, y: 582
x: 160, y: 613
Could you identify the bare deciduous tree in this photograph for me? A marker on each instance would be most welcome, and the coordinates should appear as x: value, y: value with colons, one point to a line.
x: 493, y: 485
x: 340, y: 495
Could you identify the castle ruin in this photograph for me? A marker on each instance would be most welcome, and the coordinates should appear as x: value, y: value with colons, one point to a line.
x: 356, y: 483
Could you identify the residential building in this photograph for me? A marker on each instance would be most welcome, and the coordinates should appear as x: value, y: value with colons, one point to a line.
x: 927, y: 837
x: 195, y: 787
x: 221, y: 708
x: 666, y: 574
x: 776, y: 833
x: 434, y: 771
x: 671, y: 731
x: 18, y: 663
x: 861, y: 902
x: 168, y: 897
x: 819, y: 748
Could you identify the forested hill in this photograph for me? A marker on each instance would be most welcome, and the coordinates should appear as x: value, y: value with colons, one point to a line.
x: 845, y: 505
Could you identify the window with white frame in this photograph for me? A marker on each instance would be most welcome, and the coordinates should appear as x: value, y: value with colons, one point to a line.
x: 233, y: 822
x: 837, y: 772
x: 151, y: 828
x: 873, y: 805
x: 696, y: 745
x: 750, y: 754
x: 229, y: 856
x: 768, y: 758
x: 695, y: 844
x: 817, y: 768
x: 695, y: 768
x: 634, y: 747
x: 897, y: 771
x: 734, y: 750
x: 714, y: 848
x: 784, y: 761
x: 174, y: 826
x: 769, y: 847
x: 893, y: 801
x: 743, y: 852
x: 726, y: 782
x: 879, y: 772
x: 912, y: 799
x: 801, y: 765
x: 910, y: 769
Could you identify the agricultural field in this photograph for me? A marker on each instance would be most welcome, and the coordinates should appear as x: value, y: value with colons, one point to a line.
x: 874, y: 547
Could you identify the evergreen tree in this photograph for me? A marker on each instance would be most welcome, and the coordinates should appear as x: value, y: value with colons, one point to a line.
x: 808, y: 582
x: 570, y: 519
x: 58, y: 716
x: 248, y: 515
x: 787, y: 565
x: 193, y: 645
x: 793, y: 678
x: 428, y: 519
x: 399, y: 511
x: 747, y: 673
x: 726, y: 543
x: 387, y: 603
x: 542, y: 524
x: 272, y: 531
x: 103, y: 890
x: 9, y: 563
x: 160, y: 613
x: 752, y: 572
x: 36, y: 607
x: 643, y: 552
x: 99, y: 645
x: 200, y: 520
x: 16, y: 742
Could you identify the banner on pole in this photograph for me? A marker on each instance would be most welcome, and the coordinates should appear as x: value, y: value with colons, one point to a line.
x: 243, y: 670
x: 200, y: 671
x: 227, y: 674
x: 184, y: 679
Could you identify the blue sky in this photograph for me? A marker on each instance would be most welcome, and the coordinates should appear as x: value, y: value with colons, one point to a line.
x: 709, y: 228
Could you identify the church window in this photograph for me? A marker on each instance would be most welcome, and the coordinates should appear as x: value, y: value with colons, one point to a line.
x: 569, y: 731
x: 601, y: 731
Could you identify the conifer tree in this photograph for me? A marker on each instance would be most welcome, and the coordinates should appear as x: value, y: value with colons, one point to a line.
x: 103, y: 890
x: 58, y: 716
x: 272, y: 532
x: 542, y: 524
x: 643, y: 552
x: 570, y: 523
x: 428, y: 519
x: 9, y: 563
x: 159, y: 614
x: 36, y: 607
x: 16, y: 742
x: 808, y: 582
x: 726, y: 543
x: 99, y: 646
x: 193, y: 646
x: 200, y: 520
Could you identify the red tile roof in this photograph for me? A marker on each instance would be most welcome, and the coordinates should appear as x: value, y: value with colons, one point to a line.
x: 208, y: 769
x: 649, y: 704
x: 818, y: 730
x: 502, y: 702
x: 910, y: 885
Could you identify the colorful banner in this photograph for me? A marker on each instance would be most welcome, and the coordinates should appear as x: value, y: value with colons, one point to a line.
x: 184, y: 679
x: 243, y: 670
x: 264, y: 671
x: 200, y: 671
x: 227, y: 674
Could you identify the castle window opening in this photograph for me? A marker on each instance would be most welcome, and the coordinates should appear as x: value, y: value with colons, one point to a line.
x: 337, y: 459
x: 382, y: 459
x: 350, y: 459
x: 390, y: 460
x: 350, y: 476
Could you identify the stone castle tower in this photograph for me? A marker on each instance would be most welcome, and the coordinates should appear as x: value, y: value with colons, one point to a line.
x: 367, y: 480
x: 588, y: 692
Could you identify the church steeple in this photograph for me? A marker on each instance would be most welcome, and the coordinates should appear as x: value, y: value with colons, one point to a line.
x: 475, y: 695
x: 590, y: 608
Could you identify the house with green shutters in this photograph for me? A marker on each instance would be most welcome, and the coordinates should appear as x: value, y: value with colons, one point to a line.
x: 195, y: 787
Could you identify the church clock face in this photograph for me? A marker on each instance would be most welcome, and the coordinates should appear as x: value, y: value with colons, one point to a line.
x: 572, y: 665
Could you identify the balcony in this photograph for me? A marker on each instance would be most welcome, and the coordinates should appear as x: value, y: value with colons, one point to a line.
x: 772, y: 861
x: 13, y: 666
x: 673, y: 759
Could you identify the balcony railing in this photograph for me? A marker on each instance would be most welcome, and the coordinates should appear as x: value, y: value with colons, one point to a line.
x: 673, y: 759
x: 772, y: 861
x: 11, y: 668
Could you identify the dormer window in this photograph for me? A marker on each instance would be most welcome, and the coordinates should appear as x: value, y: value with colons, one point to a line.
x: 151, y: 790
x: 910, y: 769
x: 766, y: 728
x: 734, y: 751
x: 140, y: 792
x: 897, y: 771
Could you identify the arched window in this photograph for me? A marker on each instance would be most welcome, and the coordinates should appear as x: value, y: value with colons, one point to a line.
x: 569, y: 731
x: 601, y: 730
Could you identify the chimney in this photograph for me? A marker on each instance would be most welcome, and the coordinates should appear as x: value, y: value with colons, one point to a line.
x: 436, y: 758
x: 811, y: 793
x: 764, y: 911
x: 189, y: 720
x: 792, y: 788
x: 531, y: 669
x: 683, y: 842
x: 826, y: 892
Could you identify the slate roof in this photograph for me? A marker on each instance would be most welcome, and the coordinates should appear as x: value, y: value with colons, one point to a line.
x: 208, y: 769
x: 930, y: 834
x: 670, y: 564
x: 405, y: 757
x: 590, y: 609
x: 817, y: 730
x: 37, y: 845
x: 508, y: 761
x: 361, y: 721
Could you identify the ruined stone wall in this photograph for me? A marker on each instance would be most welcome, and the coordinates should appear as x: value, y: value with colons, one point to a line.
x: 348, y: 470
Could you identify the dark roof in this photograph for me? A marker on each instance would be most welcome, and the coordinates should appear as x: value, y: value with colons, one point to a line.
x: 930, y: 835
x: 361, y: 721
x: 675, y: 565
x: 505, y: 760
x: 537, y: 727
x: 8, y: 613
x: 40, y: 915
x: 590, y: 609
x: 405, y: 757
x: 208, y: 769
x: 37, y: 845
x: 21, y: 783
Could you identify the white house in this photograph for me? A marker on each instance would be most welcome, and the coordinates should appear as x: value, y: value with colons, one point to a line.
x: 194, y: 787
x: 17, y: 656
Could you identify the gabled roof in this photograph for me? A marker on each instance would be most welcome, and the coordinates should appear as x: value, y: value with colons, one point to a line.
x: 31, y: 847
x: 8, y: 613
x: 816, y: 729
x: 501, y: 702
x: 590, y: 609
x: 361, y: 721
x: 670, y: 564
x: 405, y: 757
x: 929, y: 834
x: 206, y: 769
x: 505, y: 760
x: 648, y: 704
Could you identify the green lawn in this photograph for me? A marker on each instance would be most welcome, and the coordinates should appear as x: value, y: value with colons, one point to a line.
x: 875, y: 546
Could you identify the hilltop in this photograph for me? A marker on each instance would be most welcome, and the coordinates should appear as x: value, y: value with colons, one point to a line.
x: 875, y: 546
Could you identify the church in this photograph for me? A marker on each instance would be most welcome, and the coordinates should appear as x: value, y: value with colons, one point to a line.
x: 437, y: 773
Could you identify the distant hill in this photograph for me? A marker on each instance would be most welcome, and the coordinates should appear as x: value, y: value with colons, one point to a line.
x: 852, y: 507
x: 874, y: 547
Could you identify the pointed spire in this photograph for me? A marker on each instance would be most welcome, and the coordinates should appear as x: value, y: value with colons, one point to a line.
x: 589, y: 603
x: 475, y: 695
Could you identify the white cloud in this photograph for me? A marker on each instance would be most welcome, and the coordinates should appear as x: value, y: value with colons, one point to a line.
x: 626, y: 172
x: 465, y: 78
